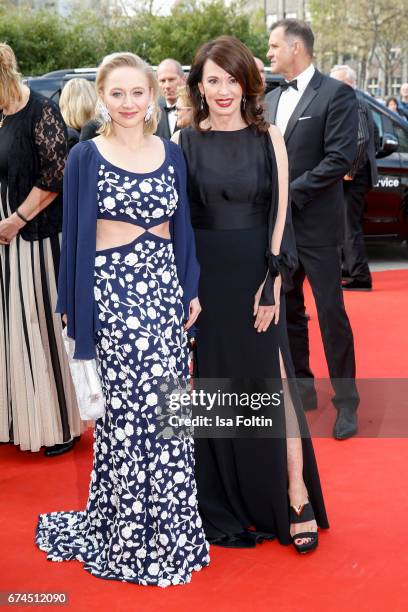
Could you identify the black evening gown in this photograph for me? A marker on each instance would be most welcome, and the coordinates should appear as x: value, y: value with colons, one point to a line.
x: 242, y: 483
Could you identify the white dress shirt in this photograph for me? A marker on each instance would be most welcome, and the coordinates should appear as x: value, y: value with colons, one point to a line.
x: 290, y: 97
x: 172, y: 119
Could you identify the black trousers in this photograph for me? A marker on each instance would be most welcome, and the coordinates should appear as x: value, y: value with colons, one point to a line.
x: 322, y: 267
x: 354, y: 253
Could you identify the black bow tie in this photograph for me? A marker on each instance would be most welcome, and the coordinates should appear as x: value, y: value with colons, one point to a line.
x: 284, y: 85
x: 168, y: 109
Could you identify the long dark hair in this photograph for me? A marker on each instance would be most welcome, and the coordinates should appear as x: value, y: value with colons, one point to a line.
x: 235, y: 58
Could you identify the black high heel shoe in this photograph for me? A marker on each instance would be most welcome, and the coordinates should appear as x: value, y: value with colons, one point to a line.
x: 303, y: 514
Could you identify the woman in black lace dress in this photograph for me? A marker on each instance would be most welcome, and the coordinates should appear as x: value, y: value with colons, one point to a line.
x: 249, y: 489
x: 37, y: 399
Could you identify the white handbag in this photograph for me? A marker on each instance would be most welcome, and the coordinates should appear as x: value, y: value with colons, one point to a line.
x: 87, y: 384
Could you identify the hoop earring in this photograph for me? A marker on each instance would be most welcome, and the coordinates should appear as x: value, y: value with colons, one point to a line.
x: 243, y: 102
x: 202, y: 102
x: 102, y: 110
x: 149, y: 112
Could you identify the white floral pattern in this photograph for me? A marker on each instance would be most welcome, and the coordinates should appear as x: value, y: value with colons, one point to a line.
x: 141, y: 523
x: 148, y: 201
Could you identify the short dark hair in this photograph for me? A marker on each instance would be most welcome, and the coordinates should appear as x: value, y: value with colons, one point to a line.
x: 235, y: 58
x: 299, y: 28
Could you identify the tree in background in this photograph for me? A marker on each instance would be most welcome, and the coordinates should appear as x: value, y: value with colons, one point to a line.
x: 367, y: 31
x: 36, y: 39
x: 192, y: 23
x: 44, y: 41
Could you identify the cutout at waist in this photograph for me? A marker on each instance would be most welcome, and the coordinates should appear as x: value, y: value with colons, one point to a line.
x: 111, y: 234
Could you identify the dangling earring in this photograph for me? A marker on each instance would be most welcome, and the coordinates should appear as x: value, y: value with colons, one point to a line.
x: 149, y: 112
x: 102, y: 110
x: 243, y: 102
x: 202, y: 102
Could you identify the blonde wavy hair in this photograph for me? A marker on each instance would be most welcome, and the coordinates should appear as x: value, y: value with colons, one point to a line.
x: 77, y: 103
x: 119, y: 60
x: 10, y: 78
x: 182, y: 93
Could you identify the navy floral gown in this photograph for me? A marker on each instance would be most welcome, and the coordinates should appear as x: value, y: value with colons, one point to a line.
x: 141, y: 522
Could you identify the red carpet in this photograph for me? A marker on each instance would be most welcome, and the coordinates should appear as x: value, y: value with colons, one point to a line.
x: 361, y: 563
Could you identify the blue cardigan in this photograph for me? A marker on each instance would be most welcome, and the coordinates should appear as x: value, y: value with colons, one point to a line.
x: 78, y: 248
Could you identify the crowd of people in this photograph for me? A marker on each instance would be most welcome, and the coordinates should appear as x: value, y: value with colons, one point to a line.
x: 192, y: 207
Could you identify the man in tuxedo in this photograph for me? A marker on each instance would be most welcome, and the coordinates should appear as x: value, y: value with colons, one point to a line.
x: 170, y: 76
x: 361, y: 177
x: 318, y: 117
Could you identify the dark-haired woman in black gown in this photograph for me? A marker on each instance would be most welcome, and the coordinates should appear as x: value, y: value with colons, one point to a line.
x: 248, y: 489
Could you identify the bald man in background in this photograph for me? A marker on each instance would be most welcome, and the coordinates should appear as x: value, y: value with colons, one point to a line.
x: 170, y: 76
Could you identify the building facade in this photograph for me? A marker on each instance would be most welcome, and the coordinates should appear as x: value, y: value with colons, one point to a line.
x: 278, y: 9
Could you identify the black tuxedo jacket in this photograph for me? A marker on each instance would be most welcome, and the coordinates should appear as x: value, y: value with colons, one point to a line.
x: 321, y: 140
x: 163, y: 129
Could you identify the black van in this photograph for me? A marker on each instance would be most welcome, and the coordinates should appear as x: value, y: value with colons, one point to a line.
x: 386, y: 213
x: 51, y: 84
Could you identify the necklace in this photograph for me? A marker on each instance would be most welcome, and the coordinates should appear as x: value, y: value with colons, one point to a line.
x: 3, y: 117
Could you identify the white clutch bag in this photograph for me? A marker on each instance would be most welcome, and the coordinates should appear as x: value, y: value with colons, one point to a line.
x: 87, y: 384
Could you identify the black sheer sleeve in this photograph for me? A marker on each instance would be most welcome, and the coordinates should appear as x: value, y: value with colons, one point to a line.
x: 51, y: 144
x: 286, y: 262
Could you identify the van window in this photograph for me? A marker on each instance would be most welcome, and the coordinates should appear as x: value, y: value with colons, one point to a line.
x: 378, y: 121
x: 402, y: 136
